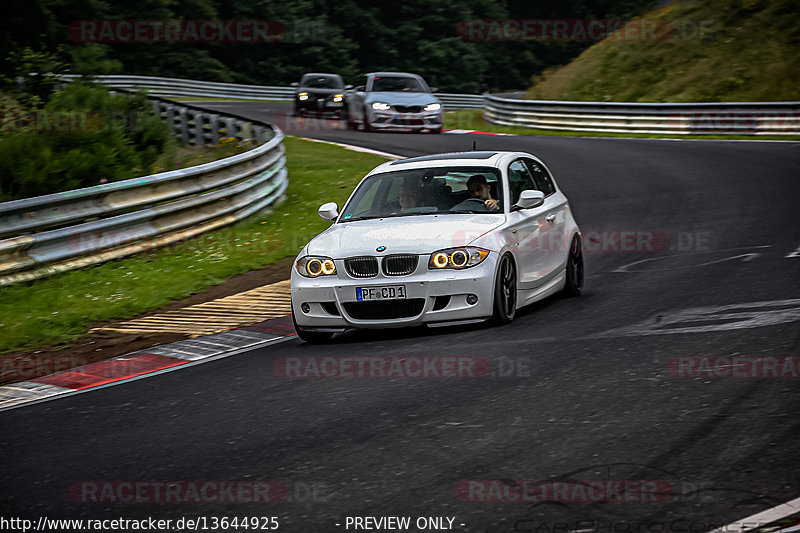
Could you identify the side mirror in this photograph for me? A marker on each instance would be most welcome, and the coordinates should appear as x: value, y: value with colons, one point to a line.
x: 361, y: 89
x: 434, y: 89
x: 329, y: 211
x: 529, y: 198
x: 294, y: 84
x: 348, y: 87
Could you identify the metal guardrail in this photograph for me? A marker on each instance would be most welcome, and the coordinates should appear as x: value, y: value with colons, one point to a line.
x: 57, y: 232
x: 192, y: 88
x: 460, y: 101
x: 195, y: 125
x: 176, y: 87
x: 510, y: 109
x: 746, y: 118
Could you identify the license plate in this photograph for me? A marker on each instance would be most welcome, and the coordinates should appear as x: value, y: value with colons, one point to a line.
x: 389, y: 292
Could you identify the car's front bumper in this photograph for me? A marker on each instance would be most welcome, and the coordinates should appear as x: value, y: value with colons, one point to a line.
x: 394, y: 120
x: 319, y: 105
x: 426, y: 290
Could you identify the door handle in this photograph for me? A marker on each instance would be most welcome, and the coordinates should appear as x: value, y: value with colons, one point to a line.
x: 550, y: 218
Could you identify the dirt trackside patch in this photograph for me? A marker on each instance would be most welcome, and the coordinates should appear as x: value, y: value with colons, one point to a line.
x: 96, y: 346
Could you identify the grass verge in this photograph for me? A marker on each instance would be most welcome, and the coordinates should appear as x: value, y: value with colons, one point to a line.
x: 60, y: 308
x: 176, y: 156
x: 699, y: 51
x: 472, y: 119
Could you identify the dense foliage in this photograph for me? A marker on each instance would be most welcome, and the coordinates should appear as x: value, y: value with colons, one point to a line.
x: 707, y: 51
x: 82, y: 136
x: 350, y: 37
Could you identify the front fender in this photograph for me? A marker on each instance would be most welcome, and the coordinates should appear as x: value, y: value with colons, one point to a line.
x: 499, y: 241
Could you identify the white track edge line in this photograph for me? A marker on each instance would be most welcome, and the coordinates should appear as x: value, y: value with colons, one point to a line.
x: 220, y: 355
x: 761, y: 519
x: 356, y: 148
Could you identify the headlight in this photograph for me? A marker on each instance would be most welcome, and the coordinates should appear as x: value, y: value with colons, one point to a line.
x: 380, y: 106
x: 457, y: 258
x: 302, y: 96
x: 433, y: 107
x: 312, y: 267
x: 338, y: 97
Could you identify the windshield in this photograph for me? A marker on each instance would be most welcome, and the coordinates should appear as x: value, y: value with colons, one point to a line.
x: 321, y: 82
x: 397, y: 84
x: 442, y: 190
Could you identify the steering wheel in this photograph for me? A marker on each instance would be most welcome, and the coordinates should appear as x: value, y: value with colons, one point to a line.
x: 473, y: 204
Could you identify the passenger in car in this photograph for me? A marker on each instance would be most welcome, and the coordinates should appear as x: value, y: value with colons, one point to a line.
x: 410, y: 196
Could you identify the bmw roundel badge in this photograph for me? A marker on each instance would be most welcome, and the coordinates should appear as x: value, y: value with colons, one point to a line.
x: 380, y: 248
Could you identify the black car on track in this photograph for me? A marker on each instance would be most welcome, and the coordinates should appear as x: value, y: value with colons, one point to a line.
x: 320, y: 92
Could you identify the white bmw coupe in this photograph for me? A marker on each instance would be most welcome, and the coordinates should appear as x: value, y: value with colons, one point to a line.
x: 442, y: 239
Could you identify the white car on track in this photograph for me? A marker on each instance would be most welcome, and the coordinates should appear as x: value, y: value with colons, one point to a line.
x: 438, y: 240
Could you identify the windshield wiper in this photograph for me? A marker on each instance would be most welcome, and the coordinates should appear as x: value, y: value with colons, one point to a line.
x: 393, y: 215
x: 354, y: 219
x: 417, y: 213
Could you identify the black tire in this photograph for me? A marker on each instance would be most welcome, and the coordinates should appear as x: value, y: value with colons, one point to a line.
x: 311, y: 337
x: 505, y: 292
x: 366, y: 124
x: 351, y: 123
x: 574, y: 270
x: 435, y: 130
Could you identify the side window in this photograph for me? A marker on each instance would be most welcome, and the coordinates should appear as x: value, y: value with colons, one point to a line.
x: 365, y: 203
x: 365, y: 82
x: 393, y: 192
x: 519, y: 179
x: 542, y: 179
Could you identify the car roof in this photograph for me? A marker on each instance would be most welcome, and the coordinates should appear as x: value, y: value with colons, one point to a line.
x: 473, y: 158
x: 409, y: 74
x: 327, y: 74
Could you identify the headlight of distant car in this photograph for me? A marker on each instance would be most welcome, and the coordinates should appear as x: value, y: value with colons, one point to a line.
x: 302, y: 96
x: 312, y: 266
x: 338, y: 97
x: 380, y: 106
x: 433, y: 107
x: 457, y: 258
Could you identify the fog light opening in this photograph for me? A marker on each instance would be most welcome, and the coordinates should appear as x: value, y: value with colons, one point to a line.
x: 305, y: 308
x: 472, y: 299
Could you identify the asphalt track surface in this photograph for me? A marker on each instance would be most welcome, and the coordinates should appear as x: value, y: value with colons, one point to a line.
x: 596, y: 402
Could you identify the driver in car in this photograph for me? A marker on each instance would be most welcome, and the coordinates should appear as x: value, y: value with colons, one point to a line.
x: 480, y: 199
x: 410, y: 196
